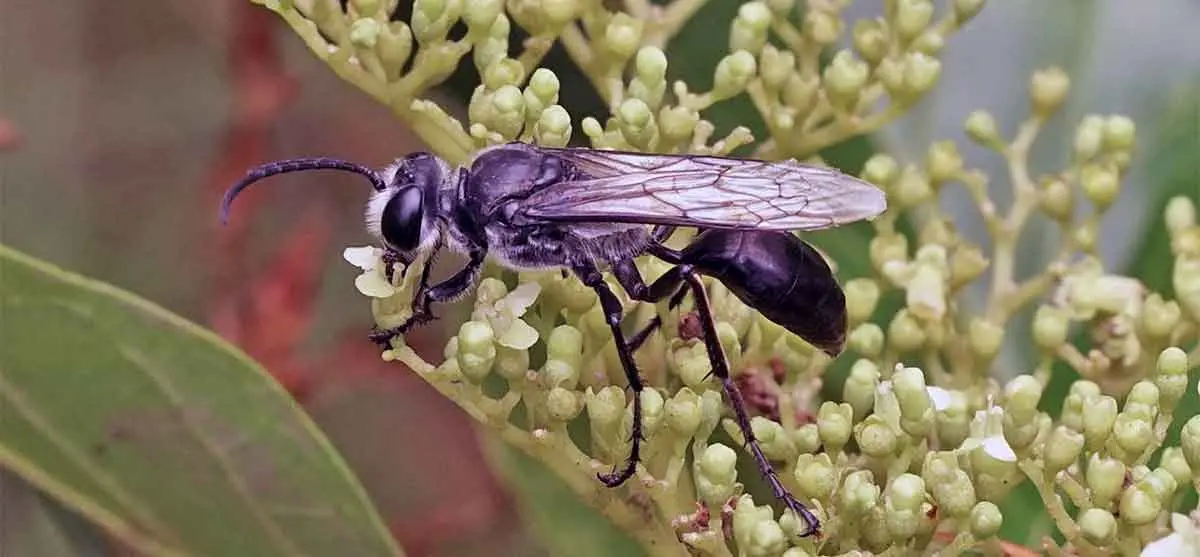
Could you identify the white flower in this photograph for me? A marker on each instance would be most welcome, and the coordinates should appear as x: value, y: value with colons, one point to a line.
x: 504, y: 315
x: 1185, y: 542
x: 373, y: 281
x: 987, y: 432
x: 941, y: 398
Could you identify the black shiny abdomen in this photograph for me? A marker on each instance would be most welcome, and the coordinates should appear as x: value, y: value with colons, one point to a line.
x: 778, y: 275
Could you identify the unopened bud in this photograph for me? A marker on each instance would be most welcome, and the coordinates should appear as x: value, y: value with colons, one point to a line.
x: 912, y: 17
x: 981, y: 127
x: 1048, y: 88
x: 732, y: 74
x: 1098, y: 526
x: 986, y: 519
x: 1119, y: 133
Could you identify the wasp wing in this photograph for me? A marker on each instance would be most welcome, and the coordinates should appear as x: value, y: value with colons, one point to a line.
x: 702, y: 191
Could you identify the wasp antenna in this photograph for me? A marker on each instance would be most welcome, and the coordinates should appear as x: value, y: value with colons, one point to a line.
x: 296, y: 165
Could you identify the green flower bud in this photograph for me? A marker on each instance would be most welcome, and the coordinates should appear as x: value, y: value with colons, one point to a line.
x: 480, y: 15
x: 1098, y: 526
x: 834, y: 422
x: 1057, y: 200
x: 1189, y: 441
x: 921, y: 73
x: 781, y: 7
x: 1105, y: 477
x: 870, y: 40
x: 364, y: 32
x: 677, y: 123
x: 1174, y: 462
x: 954, y: 420
x: 1098, y: 421
x: 476, y: 350
x: 862, y: 295
x: 557, y: 373
x: 511, y: 363
x: 732, y: 74
x: 1079, y: 396
x: 967, y: 263
x: 1185, y: 278
x: 1180, y: 214
x: 816, y: 476
x: 1142, y: 401
x: 943, y: 162
x: 912, y: 17
x: 394, y: 45
x: 749, y: 30
x: 800, y: 92
x: 981, y: 127
x: 1050, y: 327
x: 912, y: 188
x: 623, y: 35
x: 565, y: 344
x: 542, y: 90
x: 605, y: 408
x: 905, y: 333
x: 822, y: 27
x: 985, y: 337
x: 964, y: 10
x: 775, y: 442
x: 1022, y: 395
x: 1089, y: 137
x: 563, y: 404
x: 716, y: 474
x: 931, y: 42
x: 766, y: 539
x: 903, y: 504
x: 651, y: 64
x: 553, y: 127
x: 874, y: 536
x: 1062, y: 448
x: 1047, y: 90
x: 653, y: 411
x: 1100, y: 184
x: 508, y: 111
x: 1139, y: 506
x: 886, y: 248
x: 711, y: 406
x: 955, y: 496
x: 1171, y: 376
x: 683, y: 413
x: 986, y: 520
x: 866, y: 339
x: 431, y: 19
x: 881, y: 170
x: 859, y: 493
x: 875, y: 437
x: 690, y: 361
x: 844, y: 79
x: 1161, y: 483
x: 807, y: 438
x: 636, y: 122
x: 916, y: 410
x: 775, y: 67
x: 1119, y: 133
x: 859, y: 390
x: 1159, y: 317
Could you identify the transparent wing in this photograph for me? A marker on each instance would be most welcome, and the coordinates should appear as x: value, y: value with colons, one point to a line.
x: 703, y: 191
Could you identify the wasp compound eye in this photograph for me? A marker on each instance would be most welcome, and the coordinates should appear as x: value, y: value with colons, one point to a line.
x: 401, y: 219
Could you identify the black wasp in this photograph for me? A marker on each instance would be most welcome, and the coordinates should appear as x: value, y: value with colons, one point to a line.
x: 584, y: 210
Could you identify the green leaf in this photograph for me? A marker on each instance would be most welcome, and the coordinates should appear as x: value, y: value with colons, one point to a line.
x: 161, y: 433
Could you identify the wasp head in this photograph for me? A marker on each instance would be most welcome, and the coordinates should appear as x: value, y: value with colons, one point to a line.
x: 403, y: 215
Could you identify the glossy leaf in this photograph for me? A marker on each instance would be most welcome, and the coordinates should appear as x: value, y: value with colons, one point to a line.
x: 164, y: 435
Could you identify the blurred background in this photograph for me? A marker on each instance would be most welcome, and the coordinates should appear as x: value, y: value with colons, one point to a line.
x: 121, y: 124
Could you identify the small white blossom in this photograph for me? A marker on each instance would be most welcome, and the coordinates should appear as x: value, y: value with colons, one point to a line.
x: 373, y: 281
x: 987, y: 432
x: 1184, y: 542
x: 504, y: 315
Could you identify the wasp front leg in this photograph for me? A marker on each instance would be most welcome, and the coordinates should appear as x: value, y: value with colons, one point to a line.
x: 448, y: 290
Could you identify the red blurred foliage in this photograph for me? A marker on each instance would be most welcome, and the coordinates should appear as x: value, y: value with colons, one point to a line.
x: 10, y: 137
x: 270, y: 314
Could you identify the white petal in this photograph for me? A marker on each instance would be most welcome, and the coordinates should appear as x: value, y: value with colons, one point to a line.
x: 998, y: 448
x: 1170, y: 546
x: 365, y: 257
x: 941, y: 398
x: 520, y: 336
x: 523, y: 296
x: 373, y: 284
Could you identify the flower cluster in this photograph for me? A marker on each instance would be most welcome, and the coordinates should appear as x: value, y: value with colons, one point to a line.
x: 921, y: 449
